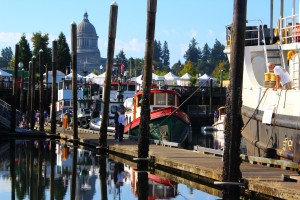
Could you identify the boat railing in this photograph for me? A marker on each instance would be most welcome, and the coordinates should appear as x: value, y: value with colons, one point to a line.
x: 289, y: 29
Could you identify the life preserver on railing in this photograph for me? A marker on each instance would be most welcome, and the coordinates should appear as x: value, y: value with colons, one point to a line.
x: 290, y: 54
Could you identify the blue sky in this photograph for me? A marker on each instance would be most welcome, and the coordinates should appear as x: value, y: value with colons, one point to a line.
x: 177, y: 21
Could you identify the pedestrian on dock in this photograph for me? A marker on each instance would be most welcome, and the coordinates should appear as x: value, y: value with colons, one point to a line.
x: 45, y: 118
x: 116, y: 119
x: 216, y: 116
x: 121, y: 121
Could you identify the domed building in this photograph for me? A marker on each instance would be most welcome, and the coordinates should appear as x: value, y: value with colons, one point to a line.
x: 88, y: 54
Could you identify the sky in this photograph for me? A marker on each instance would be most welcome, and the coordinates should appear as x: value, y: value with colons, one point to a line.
x: 177, y: 22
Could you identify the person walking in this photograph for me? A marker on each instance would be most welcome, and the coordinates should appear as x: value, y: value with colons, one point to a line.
x: 121, y: 121
x: 116, y: 119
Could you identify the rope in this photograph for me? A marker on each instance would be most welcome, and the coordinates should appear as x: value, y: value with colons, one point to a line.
x: 255, y: 110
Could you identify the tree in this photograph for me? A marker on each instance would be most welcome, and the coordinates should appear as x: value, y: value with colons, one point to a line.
x: 193, y: 53
x: 6, y: 55
x: 188, y: 68
x: 25, y: 53
x: 157, y: 54
x: 217, y: 53
x: 224, y: 66
x: 165, y: 55
x: 40, y: 41
x: 122, y: 60
x: 176, y: 68
x: 63, y: 53
x: 206, y: 53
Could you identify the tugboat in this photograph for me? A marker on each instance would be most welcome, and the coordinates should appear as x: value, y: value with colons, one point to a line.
x: 168, y: 124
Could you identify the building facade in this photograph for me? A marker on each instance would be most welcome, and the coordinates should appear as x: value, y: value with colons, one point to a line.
x: 88, y: 54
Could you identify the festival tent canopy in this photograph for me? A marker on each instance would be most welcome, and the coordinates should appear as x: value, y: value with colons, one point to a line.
x: 140, y: 81
x: 204, y: 80
x: 184, y: 80
x: 171, y: 79
x: 69, y: 76
x: 4, y: 73
x: 59, y: 75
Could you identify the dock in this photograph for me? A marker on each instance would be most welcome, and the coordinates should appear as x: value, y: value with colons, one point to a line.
x: 207, y: 165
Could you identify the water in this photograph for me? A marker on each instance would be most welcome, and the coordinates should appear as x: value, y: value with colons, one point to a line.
x: 43, y: 170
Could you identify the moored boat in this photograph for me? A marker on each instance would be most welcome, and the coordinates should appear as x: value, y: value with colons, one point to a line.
x: 271, y: 117
x: 167, y: 122
x: 218, y: 128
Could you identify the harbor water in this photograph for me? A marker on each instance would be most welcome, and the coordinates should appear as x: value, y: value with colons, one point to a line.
x: 40, y: 169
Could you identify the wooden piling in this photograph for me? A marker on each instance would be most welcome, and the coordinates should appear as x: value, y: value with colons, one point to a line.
x: 28, y: 108
x: 143, y: 140
x: 234, y: 122
x: 74, y: 78
x: 14, y: 103
x: 32, y: 118
x: 109, y: 63
x: 53, y: 96
x: 22, y: 93
x: 41, y: 92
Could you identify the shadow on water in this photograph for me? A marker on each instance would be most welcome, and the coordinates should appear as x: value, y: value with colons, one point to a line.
x: 39, y: 169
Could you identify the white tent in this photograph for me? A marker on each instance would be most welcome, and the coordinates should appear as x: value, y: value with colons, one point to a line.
x: 140, y: 81
x: 59, y: 76
x: 4, y: 73
x: 171, y: 79
x: 90, y: 76
x: 204, y: 80
x: 69, y: 76
x: 184, y: 80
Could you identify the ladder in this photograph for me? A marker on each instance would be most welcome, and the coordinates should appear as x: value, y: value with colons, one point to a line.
x: 5, y: 115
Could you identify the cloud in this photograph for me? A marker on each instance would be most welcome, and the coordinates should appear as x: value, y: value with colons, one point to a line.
x: 133, y: 45
x: 211, y: 34
x: 193, y: 33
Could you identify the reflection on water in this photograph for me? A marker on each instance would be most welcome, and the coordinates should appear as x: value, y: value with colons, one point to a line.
x: 44, y: 170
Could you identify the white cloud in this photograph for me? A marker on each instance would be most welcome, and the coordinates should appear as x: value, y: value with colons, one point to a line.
x: 133, y: 45
x: 193, y: 33
x: 211, y: 34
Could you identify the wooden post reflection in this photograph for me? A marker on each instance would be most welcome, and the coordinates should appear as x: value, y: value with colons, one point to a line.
x: 12, y: 169
x: 52, y: 164
x: 103, y: 177
x: 74, y: 174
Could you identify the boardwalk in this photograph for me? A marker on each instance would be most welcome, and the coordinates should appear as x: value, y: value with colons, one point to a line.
x: 258, y: 178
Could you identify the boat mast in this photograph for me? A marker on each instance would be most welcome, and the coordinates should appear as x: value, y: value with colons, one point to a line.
x: 271, y: 20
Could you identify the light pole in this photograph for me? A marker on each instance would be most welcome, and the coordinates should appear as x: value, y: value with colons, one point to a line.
x: 21, y: 87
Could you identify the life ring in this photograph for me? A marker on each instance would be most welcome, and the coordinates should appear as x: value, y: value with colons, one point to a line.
x: 84, y: 123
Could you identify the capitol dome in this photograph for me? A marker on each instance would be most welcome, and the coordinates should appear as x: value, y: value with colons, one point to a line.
x: 88, y: 54
x: 85, y: 27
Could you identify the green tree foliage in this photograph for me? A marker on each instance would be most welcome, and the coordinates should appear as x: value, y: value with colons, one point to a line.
x: 40, y: 41
x: 165, y: 55
x: 204, y: 67
x: 176, y: 68
x: 217, y: 54
x: 6, y: 56
x: 63, y: 53
x: 157, y: 55
x: 188, y: 68
x: 121, y: 59
x: 25, y: 54
x: 96, y: 72
x: 193, y: 53
x: 206, y: 53
x: 224, y: 67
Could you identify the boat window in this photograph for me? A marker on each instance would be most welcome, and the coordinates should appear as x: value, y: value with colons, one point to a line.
x: 171, y: 99
x: 131, y: 87
x: 60, y: 86
x: 113, y: 109
x: 160, y: 99
x: 124, y: 87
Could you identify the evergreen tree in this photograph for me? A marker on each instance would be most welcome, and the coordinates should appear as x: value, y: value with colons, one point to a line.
x: 217, y: 54
x: 165, y: 55
x: 25, y: 54
x: 206, y: 53
x: 121, y: 60
x: 40, y: 41
x: 193, y: 53
x: 157, y: 55
x: 6, y: 55
x: 176, y: 68
x: 63, y: 53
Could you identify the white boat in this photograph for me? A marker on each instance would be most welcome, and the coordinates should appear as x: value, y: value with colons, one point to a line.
x: 271, y: 118
x: 218, y: 128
